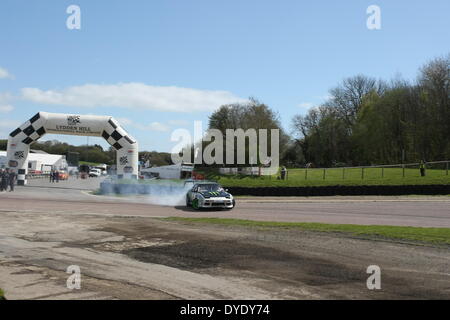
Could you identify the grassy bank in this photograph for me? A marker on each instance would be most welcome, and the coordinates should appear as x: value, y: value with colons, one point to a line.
x: 335, y: 176
x: 93, y: 164
x: 429, y: 235
x: 2, y: 295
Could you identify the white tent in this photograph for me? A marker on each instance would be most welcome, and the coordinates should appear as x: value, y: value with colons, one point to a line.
x: 43, y: 162
x: 174, y: 171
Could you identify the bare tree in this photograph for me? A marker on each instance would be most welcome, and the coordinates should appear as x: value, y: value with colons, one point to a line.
x: 347, y: 98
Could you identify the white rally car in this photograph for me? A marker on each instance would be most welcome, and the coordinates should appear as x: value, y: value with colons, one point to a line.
x: 209, y: 195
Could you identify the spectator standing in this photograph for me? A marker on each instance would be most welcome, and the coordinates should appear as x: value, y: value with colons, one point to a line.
x: 3, y: 180
x: 12, y: 180
x: 422, y: 168
x: 283, y: 173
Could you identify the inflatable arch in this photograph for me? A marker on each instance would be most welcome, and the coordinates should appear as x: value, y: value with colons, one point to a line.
x: 19, y: 140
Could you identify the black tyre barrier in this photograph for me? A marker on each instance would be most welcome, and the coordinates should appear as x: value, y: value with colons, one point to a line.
x: 342, y: 190
x: 114, y: 188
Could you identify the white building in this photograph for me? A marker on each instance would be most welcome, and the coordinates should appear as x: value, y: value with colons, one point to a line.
x: 175, y: 171
x: 39, y: 162
x: 247, y: 171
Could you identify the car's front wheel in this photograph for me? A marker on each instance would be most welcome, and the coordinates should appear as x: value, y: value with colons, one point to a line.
x: 234, y: 204
x: 195, y: 204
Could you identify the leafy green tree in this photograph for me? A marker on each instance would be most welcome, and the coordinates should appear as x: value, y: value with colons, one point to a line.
x: 371, y: 122
x: 250, y: 115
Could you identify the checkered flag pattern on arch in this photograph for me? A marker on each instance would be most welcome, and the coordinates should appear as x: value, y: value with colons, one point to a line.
x: 30, y: 131
x: 116, y: 136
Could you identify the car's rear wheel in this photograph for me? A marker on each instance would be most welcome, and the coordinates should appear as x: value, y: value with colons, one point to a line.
x: 188, y: 203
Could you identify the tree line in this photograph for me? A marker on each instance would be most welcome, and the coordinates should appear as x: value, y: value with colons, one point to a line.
x: 367, y: 121
x: 89, y: 153
x: 364, y: 121
x: 94, y: 153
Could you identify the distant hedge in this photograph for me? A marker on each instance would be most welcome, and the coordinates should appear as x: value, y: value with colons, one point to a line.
x: 381, y: 190
x: 2, y: 295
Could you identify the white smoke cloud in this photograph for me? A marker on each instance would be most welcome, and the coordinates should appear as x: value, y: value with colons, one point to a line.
x: 160, y: 192
x: 165, y: 197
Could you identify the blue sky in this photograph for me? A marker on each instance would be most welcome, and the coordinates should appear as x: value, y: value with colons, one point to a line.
x: 159, y: 65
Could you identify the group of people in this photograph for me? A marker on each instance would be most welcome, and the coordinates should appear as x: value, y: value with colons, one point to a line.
x: 7, y: 178
x: 54, y: 176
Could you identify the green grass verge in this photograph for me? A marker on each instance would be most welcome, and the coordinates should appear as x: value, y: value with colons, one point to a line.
x: 2, y: 295
x: 335, y: 176
x: 429, y: 235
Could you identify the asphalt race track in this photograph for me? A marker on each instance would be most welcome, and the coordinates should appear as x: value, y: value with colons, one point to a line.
x: 124, y: 252
x: 74, y: 195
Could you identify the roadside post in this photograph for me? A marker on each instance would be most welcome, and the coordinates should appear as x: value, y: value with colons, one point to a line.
x: 403, y: 162
x: 422, y: 168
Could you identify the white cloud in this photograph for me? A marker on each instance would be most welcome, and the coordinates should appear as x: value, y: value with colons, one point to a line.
x: 5, y: 97
x: 6, y: 108
x: 125, y: 121
x: 133, y: 95
x: 4, y: 74
x: 154, y: 126
x: 306, y: 105
x: 8, y: 125
x: 157, y: 126
x: 178, y: 122
x: 325, y: 97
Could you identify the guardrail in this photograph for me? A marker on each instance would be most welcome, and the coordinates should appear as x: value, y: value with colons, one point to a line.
x: 38, y: 176
x: 444, y: 166
x: 33, y: 176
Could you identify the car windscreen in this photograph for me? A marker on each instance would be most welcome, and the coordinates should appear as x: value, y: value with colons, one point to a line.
x: 209, y: 188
